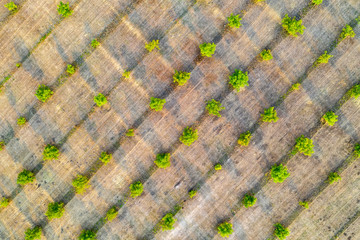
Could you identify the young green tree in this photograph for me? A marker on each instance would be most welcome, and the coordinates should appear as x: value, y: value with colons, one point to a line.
x: 87, y: 235
x: 70, y: 69
x: 111, y: 214
x: 167, y: 222
x: 181, y: 77
x: 269, y: 115
x: 11, y: 6
x: 324, y: 58
x: 317, y: 2
x: 157, y: 104
x: 357, y: 150
x: 43, y: 93
x: 152, y: 45
x: 192, y: 193
x: 130, y: 132
x: 333, y: 177
x: 234, y: 21
x: 33, y: 233
x: 55, y: 210
x: 64, y: 9
x: 279, y: 173
x: 225, y: 229
x: 292, y: 26
x: 280, y: 231
x: 347, y: 32
x: 4, y: 202
x: 51, y: 153
x: 266, y: 55
x: 100, y: 100
x: 105, y: 157
x: 95, y: 43
x: 163, y: 160
x: 80, y: 183
x: 25, y: 177
x: 304, y: 145
x: 207, y: 49
x: 355, y: 91
x: 136, y: 189
x: 21, y: 121
x: 189, y: 136
x: 249, y: 200
x: 330, y: 118
x: 218, y: 167
x: 214, y: 107
x: 239, y: 79
x: 126, y: 74
x: 2, y: 145
x: 244, y: 138
x: 304, y: 204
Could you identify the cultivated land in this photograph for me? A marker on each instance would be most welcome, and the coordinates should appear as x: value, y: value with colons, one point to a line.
x: 45, y: 43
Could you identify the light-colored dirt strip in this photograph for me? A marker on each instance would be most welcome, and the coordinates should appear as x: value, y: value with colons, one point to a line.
x: 351, y: 231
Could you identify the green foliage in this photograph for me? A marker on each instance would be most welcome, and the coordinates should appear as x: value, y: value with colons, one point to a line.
x: 334, y: 177
x: 279, y: 173
x: 25, y: 177
x: 11, y: 6
x: 192, y: 193
x: 126, y: 74
x: 269, y: 115
x: 167, y: 222
x: 157, y: 104
x: 294, y: 87
x: 87, y: 235
x: 55, y: 210
x: 280, y: 231
x: 111, y: 214
x: 4, y: 202
x: 33, y: 233
x: 181, y: 77
x: 163, y: 160
x: 239, y: 79
x: 214, y: 107
x: 317, y: 2
x: 266, y: 55
x: 43, y: 93
x: 355, y: 91
x: 21, y: 121
x: 95, y: 43
x: 324, y: 58
x: 189, y: 136
x: 357, y: 150
x: 234, y: 21
x: 100, y: 100
x: 2, y: 145
x: 207, y: 49
x: 249, y: 200
x: 347, y: 32
x: 51, y: 152
x: 292, y: 26
x: 152, y: 45
x: 136, y: 189
x: 225, y: 229
x: 18, y: 65
x: 218, y: 167
x: 304, y: 145
x: 330, y: 118
x: 64, y: 9
x: 80, y: 183
x: 130, y: 132
x: 70, y: 69
x: 304, y: 204
x: 105, y: 157
x: 244, y: 138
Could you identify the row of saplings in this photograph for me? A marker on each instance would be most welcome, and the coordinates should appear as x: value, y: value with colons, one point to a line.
x: 237, y: 80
